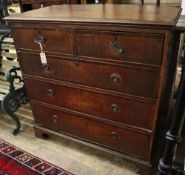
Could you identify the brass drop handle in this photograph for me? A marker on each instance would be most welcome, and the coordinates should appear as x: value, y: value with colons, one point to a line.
x: 115, y: 78
x: 54, y: 118
x: 51, y: 92
x: 46, y: 67
x: 115, y: 107
x: 116, y: 47
x: 40, y: 39
x: 114, y: 135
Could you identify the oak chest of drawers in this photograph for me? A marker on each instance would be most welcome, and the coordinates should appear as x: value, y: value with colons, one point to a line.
x: 107, y: 76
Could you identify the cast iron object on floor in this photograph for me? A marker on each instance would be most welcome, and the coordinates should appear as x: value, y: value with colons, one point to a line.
x: 15, y: 98
x: 167, y: 164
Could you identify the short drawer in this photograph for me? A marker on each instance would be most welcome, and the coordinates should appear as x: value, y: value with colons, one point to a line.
x: 124, y: 46
x: 58, y: 40
x: 119, y: 139
x: 129, y: 80
x: 44, y: 3
x: 105, y: 106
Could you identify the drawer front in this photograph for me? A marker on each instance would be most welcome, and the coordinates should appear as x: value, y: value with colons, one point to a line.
x: 108, y: 107
x: 129, y: 80
x: 44, y: 3
x: 53, y: 40
x: 129, y: 47
x: 119, y: 139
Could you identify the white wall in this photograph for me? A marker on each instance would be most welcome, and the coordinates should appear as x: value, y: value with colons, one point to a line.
x: 183, y: 7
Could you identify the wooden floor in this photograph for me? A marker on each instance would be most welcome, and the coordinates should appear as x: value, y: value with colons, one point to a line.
x: 72, y: 156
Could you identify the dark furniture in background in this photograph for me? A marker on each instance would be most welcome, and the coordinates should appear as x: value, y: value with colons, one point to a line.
x: 4, y: 28
x: 107, y: 76
x: 35, y: 4
x: 169, y: 163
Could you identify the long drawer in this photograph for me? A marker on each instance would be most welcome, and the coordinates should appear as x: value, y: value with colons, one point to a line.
x: 117, y: 138
x: 130, y: 80
x: 54, y: 40
x: 108, y: 107
x: 125, y: 46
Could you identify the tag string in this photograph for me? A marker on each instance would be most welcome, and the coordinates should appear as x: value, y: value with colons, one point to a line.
x: 41, y: 48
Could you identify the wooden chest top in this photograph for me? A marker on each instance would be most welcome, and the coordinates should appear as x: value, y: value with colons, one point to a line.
x: 106, y: 13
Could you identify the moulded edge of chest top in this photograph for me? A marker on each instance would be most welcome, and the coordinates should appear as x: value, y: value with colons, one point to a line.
x: 92, y: 26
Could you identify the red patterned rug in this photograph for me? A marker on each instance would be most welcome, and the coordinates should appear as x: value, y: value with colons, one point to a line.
x: 14, y: 161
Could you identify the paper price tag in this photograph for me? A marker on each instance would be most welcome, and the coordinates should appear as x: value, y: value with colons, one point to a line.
x: 43, y: 58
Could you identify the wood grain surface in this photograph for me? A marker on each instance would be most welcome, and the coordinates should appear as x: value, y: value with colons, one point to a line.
x: 106, y: 13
